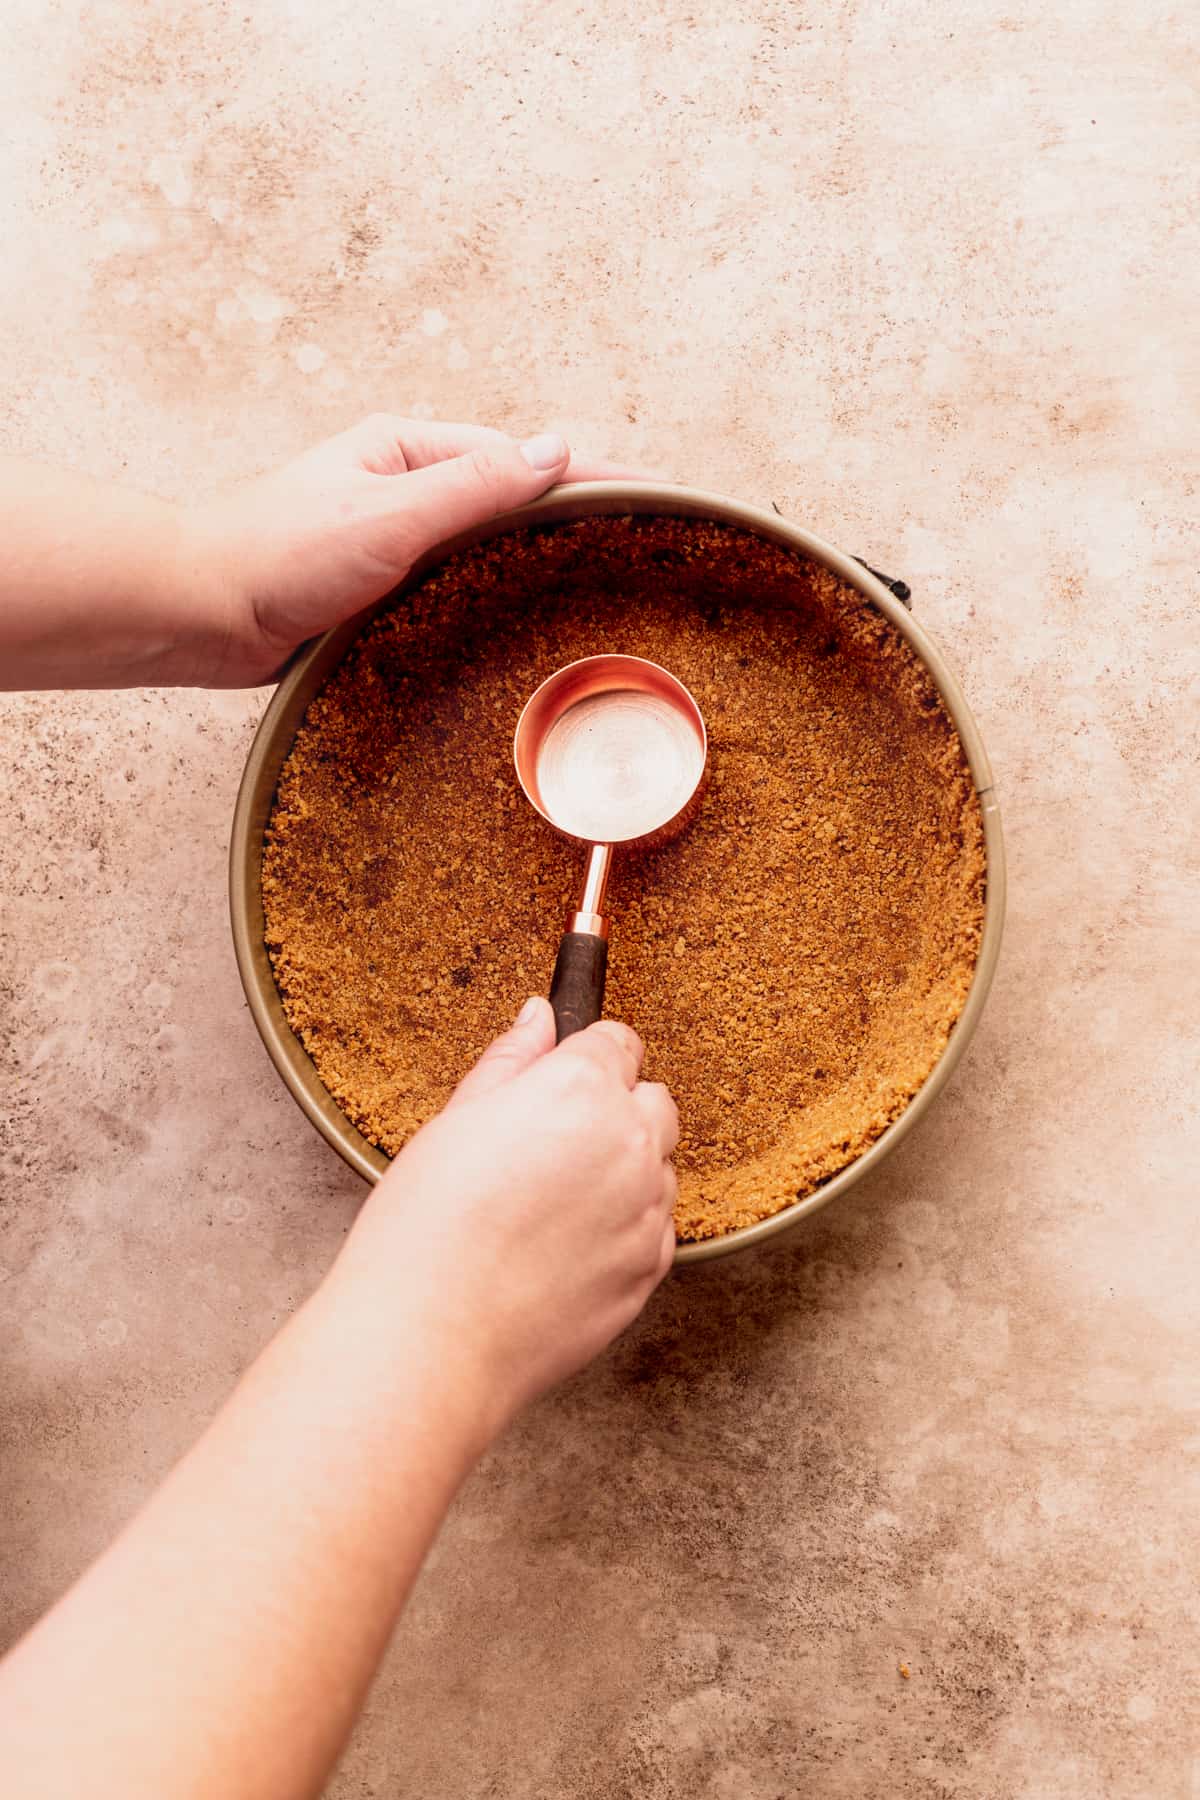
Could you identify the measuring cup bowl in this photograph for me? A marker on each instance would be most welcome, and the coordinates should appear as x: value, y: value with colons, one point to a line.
x: 589, y: 678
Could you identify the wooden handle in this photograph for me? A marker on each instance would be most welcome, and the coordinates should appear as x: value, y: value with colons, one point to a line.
x: 577, y: 991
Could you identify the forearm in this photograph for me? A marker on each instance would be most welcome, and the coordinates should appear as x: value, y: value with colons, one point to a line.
x: 101, y: 587
x: 226, y: 1641
x: 104, y: 588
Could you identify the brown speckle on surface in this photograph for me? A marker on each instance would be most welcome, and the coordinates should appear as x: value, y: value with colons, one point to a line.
x: 823, y: 257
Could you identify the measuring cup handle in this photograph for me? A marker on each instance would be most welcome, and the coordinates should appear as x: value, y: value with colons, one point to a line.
x: 577, y: 991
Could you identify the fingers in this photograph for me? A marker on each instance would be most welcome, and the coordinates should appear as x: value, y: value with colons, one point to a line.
x: 660, y: 1113
x: 436, y: 502
x: 514, y: 1050
x: 614, y: 1046
x: 390, y: 444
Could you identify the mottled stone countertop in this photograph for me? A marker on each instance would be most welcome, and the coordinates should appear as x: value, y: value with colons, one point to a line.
x: 924, y: 276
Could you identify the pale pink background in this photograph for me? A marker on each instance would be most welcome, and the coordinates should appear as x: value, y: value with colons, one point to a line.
x: 924, y: 275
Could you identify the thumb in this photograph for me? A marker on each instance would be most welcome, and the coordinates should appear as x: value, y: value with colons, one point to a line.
x: 531, y: 1037
x: 446, y: 497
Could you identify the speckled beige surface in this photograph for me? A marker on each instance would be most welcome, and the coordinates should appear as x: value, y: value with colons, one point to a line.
x: 922, y: 275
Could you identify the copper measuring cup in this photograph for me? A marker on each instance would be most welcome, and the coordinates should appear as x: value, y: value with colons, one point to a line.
x: 609, y: 750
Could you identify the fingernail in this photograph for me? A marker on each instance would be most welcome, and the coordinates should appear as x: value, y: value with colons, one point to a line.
x: 545, y: 452
x: 528, y: 1012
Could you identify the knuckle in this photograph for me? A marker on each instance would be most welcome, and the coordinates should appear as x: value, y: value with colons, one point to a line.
x: 590, y: 1073
x: 383, y: 426
x: 614, y: 1032
x: 641, y: 1141
x: 579, y: 1078
x: 380, y: 437
x: 661, y: 1101
x: 661, y: 1111
x: 487, y: 472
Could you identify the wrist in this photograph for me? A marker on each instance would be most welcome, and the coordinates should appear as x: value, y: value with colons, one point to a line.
x: 203, y: 603
x: 392, y: 1317
x: 230, y: 649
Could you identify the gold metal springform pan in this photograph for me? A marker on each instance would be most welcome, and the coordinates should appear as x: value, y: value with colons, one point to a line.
x: 316, y: 661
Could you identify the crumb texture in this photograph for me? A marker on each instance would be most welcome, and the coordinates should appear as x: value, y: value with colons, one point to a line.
x: 795, y: 963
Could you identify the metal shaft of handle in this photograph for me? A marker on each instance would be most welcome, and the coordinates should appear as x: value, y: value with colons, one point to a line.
x: 589, y: 915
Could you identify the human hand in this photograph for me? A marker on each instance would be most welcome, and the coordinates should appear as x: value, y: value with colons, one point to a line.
x: 299, y: 550
x: 527, y: 1225
x: 225, y: 1643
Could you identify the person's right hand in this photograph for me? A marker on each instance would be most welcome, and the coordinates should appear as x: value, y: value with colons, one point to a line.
x: 527, y: 1225
x: 225, y: 1643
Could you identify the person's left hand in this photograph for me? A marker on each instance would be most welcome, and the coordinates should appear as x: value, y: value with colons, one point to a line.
x: 309, y: 545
